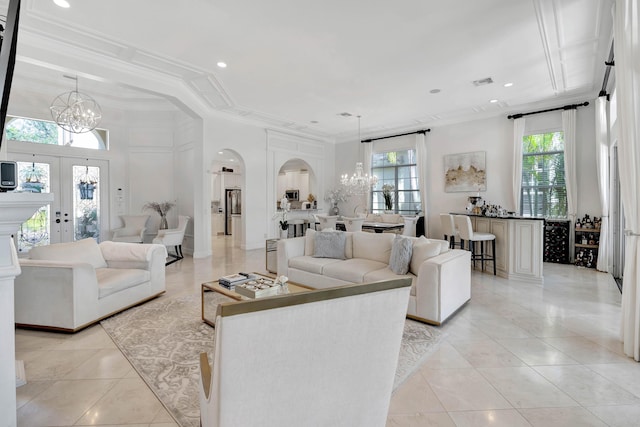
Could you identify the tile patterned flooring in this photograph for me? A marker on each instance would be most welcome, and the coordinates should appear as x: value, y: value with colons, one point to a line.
x: 517, y: 354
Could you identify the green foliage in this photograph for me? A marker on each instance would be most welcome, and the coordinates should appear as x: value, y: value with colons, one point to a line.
x: 32, y: 131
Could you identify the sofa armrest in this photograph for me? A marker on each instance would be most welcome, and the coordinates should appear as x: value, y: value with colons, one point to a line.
x: 443, y: 285
x: 57, y: 294
x: 287, y: 249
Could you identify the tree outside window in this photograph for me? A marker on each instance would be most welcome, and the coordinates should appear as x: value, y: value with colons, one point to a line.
x: 397, y: 171
x: 544, y: 192
x: 43, y: 132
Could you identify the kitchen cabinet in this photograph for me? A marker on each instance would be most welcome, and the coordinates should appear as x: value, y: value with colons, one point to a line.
x: 217, y: 223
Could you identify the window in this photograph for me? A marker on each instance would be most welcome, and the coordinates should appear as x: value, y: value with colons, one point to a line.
x: 398, y: 170
x: 544, y: 193
x: 43, y: 132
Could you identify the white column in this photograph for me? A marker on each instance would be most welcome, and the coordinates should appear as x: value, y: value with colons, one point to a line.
x: 15, y: 208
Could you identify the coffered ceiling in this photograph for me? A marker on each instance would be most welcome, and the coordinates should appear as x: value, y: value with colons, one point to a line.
x: 297, y: 64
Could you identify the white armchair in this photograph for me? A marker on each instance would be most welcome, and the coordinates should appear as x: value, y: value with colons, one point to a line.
x: 173, y: 237
x: 332, y: 353
x: 133, y: 229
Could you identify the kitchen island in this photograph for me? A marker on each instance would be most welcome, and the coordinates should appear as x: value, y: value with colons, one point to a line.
x: 519, y: 244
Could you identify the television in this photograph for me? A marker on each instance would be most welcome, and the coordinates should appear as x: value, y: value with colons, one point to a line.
x: 8, y: 43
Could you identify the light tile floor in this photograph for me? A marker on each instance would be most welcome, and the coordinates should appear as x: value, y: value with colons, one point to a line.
x: 517, y: 354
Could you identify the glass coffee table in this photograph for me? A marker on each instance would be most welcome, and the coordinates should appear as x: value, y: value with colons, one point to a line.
x: 213, y: 294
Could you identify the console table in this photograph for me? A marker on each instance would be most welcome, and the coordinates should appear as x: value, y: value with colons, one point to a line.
x: 519, y: 244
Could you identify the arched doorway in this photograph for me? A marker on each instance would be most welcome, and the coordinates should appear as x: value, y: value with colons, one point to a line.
x: 227, y: 198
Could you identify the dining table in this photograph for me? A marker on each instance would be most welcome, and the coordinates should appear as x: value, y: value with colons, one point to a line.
x: 377, y: 227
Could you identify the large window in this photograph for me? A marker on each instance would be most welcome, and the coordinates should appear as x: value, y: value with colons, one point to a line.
x: 544, y: 193
x: 43, y: 132
x: 397, y: 171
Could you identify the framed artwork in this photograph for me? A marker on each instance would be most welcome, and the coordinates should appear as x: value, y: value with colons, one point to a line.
x: 465, y: 172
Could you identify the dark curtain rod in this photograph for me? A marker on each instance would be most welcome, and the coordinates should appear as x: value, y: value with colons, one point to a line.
x: 609, y: 63
x: 422, y: 131
x: 566, y: 107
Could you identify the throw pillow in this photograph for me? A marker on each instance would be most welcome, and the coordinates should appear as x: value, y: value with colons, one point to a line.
x: 400, y: 255
x: 423, y: 250
x: 329, y: 244
x: 85, y: 250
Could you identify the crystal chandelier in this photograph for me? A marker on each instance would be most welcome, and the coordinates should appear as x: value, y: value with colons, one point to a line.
x: 360, y: 182
x: 75, y: 112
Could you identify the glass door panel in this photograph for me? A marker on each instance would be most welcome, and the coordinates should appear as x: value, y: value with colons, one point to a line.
x: 35, y: 178
x: 86, y: 202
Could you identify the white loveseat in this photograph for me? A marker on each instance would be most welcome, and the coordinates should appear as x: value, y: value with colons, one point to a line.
x: 441, y: 277
x: 68, y: 286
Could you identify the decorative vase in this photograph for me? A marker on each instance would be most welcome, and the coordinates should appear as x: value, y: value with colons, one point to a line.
x: 163, y: 223
x: 334, y: 209
x: 284, y: 233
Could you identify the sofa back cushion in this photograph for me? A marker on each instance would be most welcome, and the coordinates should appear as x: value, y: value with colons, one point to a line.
x: 373, y: 246
x: 423, y: 249
x: 392, y: 218
x: 85, y: 250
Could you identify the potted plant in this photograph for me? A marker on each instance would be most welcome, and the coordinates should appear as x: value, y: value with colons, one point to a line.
x: 87, y: 186
x: 387, y: 195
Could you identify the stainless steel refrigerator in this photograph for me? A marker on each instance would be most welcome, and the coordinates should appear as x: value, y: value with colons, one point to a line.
x: 232, y: 206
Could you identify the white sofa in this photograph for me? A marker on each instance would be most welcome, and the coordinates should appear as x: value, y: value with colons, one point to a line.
x: 441, y: 277
x: 68, y: 286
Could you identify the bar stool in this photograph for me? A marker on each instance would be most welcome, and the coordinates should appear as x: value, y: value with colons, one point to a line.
x: 463, y: 224
x: 449, y: 229
x: 298, y: 227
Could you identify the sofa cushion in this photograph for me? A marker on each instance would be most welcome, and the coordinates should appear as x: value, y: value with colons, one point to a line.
x: 310, y: 264
x: 352, y: 270
x: 112, y: 280
x: 400, y: 255
x: 372, y: 246
x: 387, y: 274
x: 329, y: 244
x: 85, y: 250
x: 423, y: 249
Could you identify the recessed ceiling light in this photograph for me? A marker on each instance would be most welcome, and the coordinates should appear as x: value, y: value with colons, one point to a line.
x: 493, y: 101
x: 220, y: 152
x: 232, y: 160
x: 62, y: 3
x: 434, y: 91
x: 222, y: 64
x: 508, y: 84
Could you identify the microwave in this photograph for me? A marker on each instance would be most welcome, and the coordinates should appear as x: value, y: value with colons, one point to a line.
x: 292, y: 195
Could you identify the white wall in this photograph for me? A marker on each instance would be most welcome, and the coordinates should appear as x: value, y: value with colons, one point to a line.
x: 493, y: 135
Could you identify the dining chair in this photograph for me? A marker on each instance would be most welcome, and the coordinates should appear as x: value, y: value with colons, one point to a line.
x: 353, y: 224
x: 327, y: 222
x: 410, y: 226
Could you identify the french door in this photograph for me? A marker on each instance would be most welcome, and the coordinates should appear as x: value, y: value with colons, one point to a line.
x: 80, y: 206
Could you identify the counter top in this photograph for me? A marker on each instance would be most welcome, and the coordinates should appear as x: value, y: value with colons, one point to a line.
x: 499, y: 217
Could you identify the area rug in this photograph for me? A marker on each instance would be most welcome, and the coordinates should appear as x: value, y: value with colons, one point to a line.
x: 163, y: 340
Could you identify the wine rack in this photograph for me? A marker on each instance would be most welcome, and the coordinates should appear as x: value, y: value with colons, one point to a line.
x: 556, y: 241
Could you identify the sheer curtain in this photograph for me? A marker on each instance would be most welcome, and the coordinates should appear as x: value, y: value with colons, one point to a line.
x: 569, y: 128
x: 423, y: 175
x: 627, y: 55
x: 605, y: 259
x: 518, y: 134
x: 366, y: 165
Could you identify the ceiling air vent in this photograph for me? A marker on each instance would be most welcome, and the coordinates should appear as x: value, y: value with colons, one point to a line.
x: 345, y: 114
x: 482, y: 82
